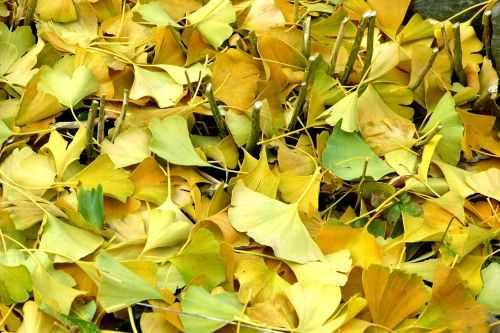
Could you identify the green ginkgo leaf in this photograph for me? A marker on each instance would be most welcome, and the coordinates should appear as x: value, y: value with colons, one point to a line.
x: 5, y: 132
x: 120, y: 287
x: 452, y: 129
x: 15, y: 284
x: 201, y: 258
x: 165, y: 230
x: 213, y: 21
x: 172, y: 143
x: 197, y: 301
x: 69, y: 241
x: 345, y: 154
x: 347, y: 111
x: 154, y: 13
x: 273, y: 223
x: 69, y: 90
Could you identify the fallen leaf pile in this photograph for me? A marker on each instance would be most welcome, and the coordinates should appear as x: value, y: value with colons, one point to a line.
x: 248, y: 165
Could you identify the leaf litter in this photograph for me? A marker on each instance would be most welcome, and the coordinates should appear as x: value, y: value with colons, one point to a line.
x: 276, y: 166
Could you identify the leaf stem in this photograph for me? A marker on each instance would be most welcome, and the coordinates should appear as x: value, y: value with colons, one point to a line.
x: 362, y: 183
x: 89, y: 136
x: 369, y: 43
x: 424, y: 139
x: 447, y: 46
x: 177, y: 39
x: 336, y: 47
x: 252, y: 39
x: 100, y: 124
x: 215, y: 111
x: 485, y: 96
x: 487, y: 32
x: 355, y: 46
x: 121, y: 117
x: 420, y: 77
x: 302, y: 93
x: 307, y: 37
x: 254, y: 135
x: 131, y: 319
x: 295, y: 11
x: 457, y: 55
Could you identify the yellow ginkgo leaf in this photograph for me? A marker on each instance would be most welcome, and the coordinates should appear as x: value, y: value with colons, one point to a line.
x: 63, y: 153
x: 314, y: 304
x: 130, y: 147
x: 486, y: 182
x: 452, y: 307
x: 157, y: 84
x: 392, y: 296
x: 213, y: 21
x: 272, y: 223
x: 114, y: 182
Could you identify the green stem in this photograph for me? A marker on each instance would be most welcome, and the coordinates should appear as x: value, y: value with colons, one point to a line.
x: 307, y: 37
x: 336, y: 47
x: 89, y: 137
x: 252, y: 39
x: 121, y: 117
x: 177, y: 38
x: 190, y: 88
x: 215, y: 111
x: 295, y: 11
x: 369, y: 43
x: 414, y: 85
x: 302, y: 94
x: 361, y: 183
x: 457, y: 55
x: 355, y: 46
x: 100, y: 123
x: 480, y: 103
x: 447, y: 46
x: 254, y: 135
x: 30, y: 12
x: 427, y: 137
x: 487, y: 33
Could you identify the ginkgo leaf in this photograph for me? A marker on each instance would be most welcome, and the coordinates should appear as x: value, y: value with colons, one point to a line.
x: 53, y: 290
x: 223, y: 306
x: 63, y: 153
x: 172, y: 143
x: 362, y: 245
x: 165, y: 230
x: 120, y: 287
x: 153, y: 12
x: 201, y: 258
x: 258, y: 282
x: 314, y: 304
x: 332, y: 271
x: 345, y: 154
x: 69, y: 241
x: 392, y: 296
x: 213, y: 21
x: 5, y: 132
x: 114, y: 182
x: 272, y: 223
x: 486, y: 182
x: 451, y: 306
x: 347, y: 111
x: 490, y: 295
x: 29, y: 170
x: 130, y: 147
x: 15, y: 284
x: 382, y: 129
x: 445, y: 115
x: 157, y: 84
x: 69, y: 90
